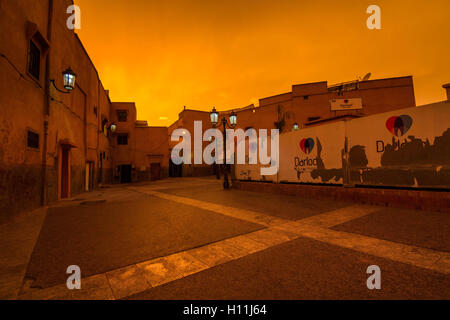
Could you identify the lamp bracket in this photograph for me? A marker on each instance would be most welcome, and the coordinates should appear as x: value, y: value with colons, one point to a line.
x: 59, y: 90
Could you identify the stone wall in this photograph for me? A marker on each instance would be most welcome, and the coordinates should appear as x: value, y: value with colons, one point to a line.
x: 411, y: 199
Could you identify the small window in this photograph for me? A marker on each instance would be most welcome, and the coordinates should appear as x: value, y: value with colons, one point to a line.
x: 32, y: 140
x: 95, y: 111
x: 313, y: 118
x: 305, y: 97
x: 34, y: 63
x: 105, y: 125
x: 122, y: 140
x: 122, y: 116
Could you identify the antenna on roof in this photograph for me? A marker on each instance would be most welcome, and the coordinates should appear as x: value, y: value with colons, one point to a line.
x: 366, y: 77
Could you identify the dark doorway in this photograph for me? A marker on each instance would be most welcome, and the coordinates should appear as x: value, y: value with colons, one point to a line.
x: 155, y: 171
x: 65, y: 174
x: 175, y: 171
x: 125, y: 173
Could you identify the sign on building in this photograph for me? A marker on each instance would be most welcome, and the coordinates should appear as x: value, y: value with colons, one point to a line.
x: 346, y: 104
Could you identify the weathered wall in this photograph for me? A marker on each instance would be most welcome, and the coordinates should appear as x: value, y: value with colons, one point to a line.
x: 408, y: 148
x: 104, y: 168
x: 21, y: 105
x: 71, y: 118
x: 74, y: 118
x: 74, y: 121
x: 123, y: 154
x: 403, y: 148
x: 152, y: 146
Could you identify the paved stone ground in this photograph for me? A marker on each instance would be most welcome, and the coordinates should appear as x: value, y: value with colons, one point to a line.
x: 304, y: 269
x: 282, y: 206
x: 207, y: 243
x: 425, y: 229
x: 101, y: 237
x: 17, y: 239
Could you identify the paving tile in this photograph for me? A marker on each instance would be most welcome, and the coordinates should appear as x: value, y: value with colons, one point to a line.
x: 443, y: 263
x: 217, y: 253
x: 294, y: 227
x: 186, y: 264
x: 246, y: 243
x: 59, y: 292
x: 170, y: 268
x: 9, y: 289
x: 104, y: 293
x: 159, y: 271
x: 17, y: 240
x: 419, y: 257
x: 271, y: 237
x: 96, y: 281
x: 127, y: 281
x: 247, y: 215
x: 335, y: 217
x: 94, y: 288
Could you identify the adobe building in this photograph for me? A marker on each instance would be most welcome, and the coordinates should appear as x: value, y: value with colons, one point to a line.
x: 185, y: 121
x: 447, y: 89
x: 56, y: 143
x: 318, y: 103
x: 306, y: 105
x: 140, y: 152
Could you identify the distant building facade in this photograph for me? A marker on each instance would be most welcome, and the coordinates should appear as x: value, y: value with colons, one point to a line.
x: 317, y: 103
x: 185, y: 121
x: 55, y: 145
x: 306, y: 105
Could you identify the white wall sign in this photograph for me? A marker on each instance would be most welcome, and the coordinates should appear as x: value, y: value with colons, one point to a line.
x: 346, y: 104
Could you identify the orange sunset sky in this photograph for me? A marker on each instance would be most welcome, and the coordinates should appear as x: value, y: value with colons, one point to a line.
x: 229, y: 53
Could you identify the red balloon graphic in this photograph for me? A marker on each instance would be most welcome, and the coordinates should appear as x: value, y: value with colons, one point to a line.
x: 399, y: 125
x: 307, y: 145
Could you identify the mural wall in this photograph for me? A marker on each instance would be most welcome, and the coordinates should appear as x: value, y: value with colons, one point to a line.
x: 409, y: 148
x: 253, y: 171
x: 312, y: 155
x: 405, y: 148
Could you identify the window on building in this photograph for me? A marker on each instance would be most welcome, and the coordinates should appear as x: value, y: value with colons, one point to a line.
x: 34, y: 60
x: 313, y: 118
x: 105, y: 126
x: 32, y: 140
x: 122, y: 140
x: 305, y: 97
x: 122, y: 116
x: 95, y: 111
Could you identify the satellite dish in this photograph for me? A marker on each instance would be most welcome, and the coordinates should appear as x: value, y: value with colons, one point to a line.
x: 367, y: 77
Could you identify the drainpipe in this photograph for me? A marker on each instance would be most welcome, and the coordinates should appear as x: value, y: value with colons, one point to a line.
x: 98, y: 171
x: 47, y: 100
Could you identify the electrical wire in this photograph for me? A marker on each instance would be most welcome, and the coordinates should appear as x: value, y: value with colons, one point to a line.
x: 23, y: 76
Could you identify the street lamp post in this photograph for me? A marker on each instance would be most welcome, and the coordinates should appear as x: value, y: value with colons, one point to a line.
x: 215, y: 122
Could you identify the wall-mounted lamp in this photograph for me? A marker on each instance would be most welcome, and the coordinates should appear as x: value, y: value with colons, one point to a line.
x: 69, y: 81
